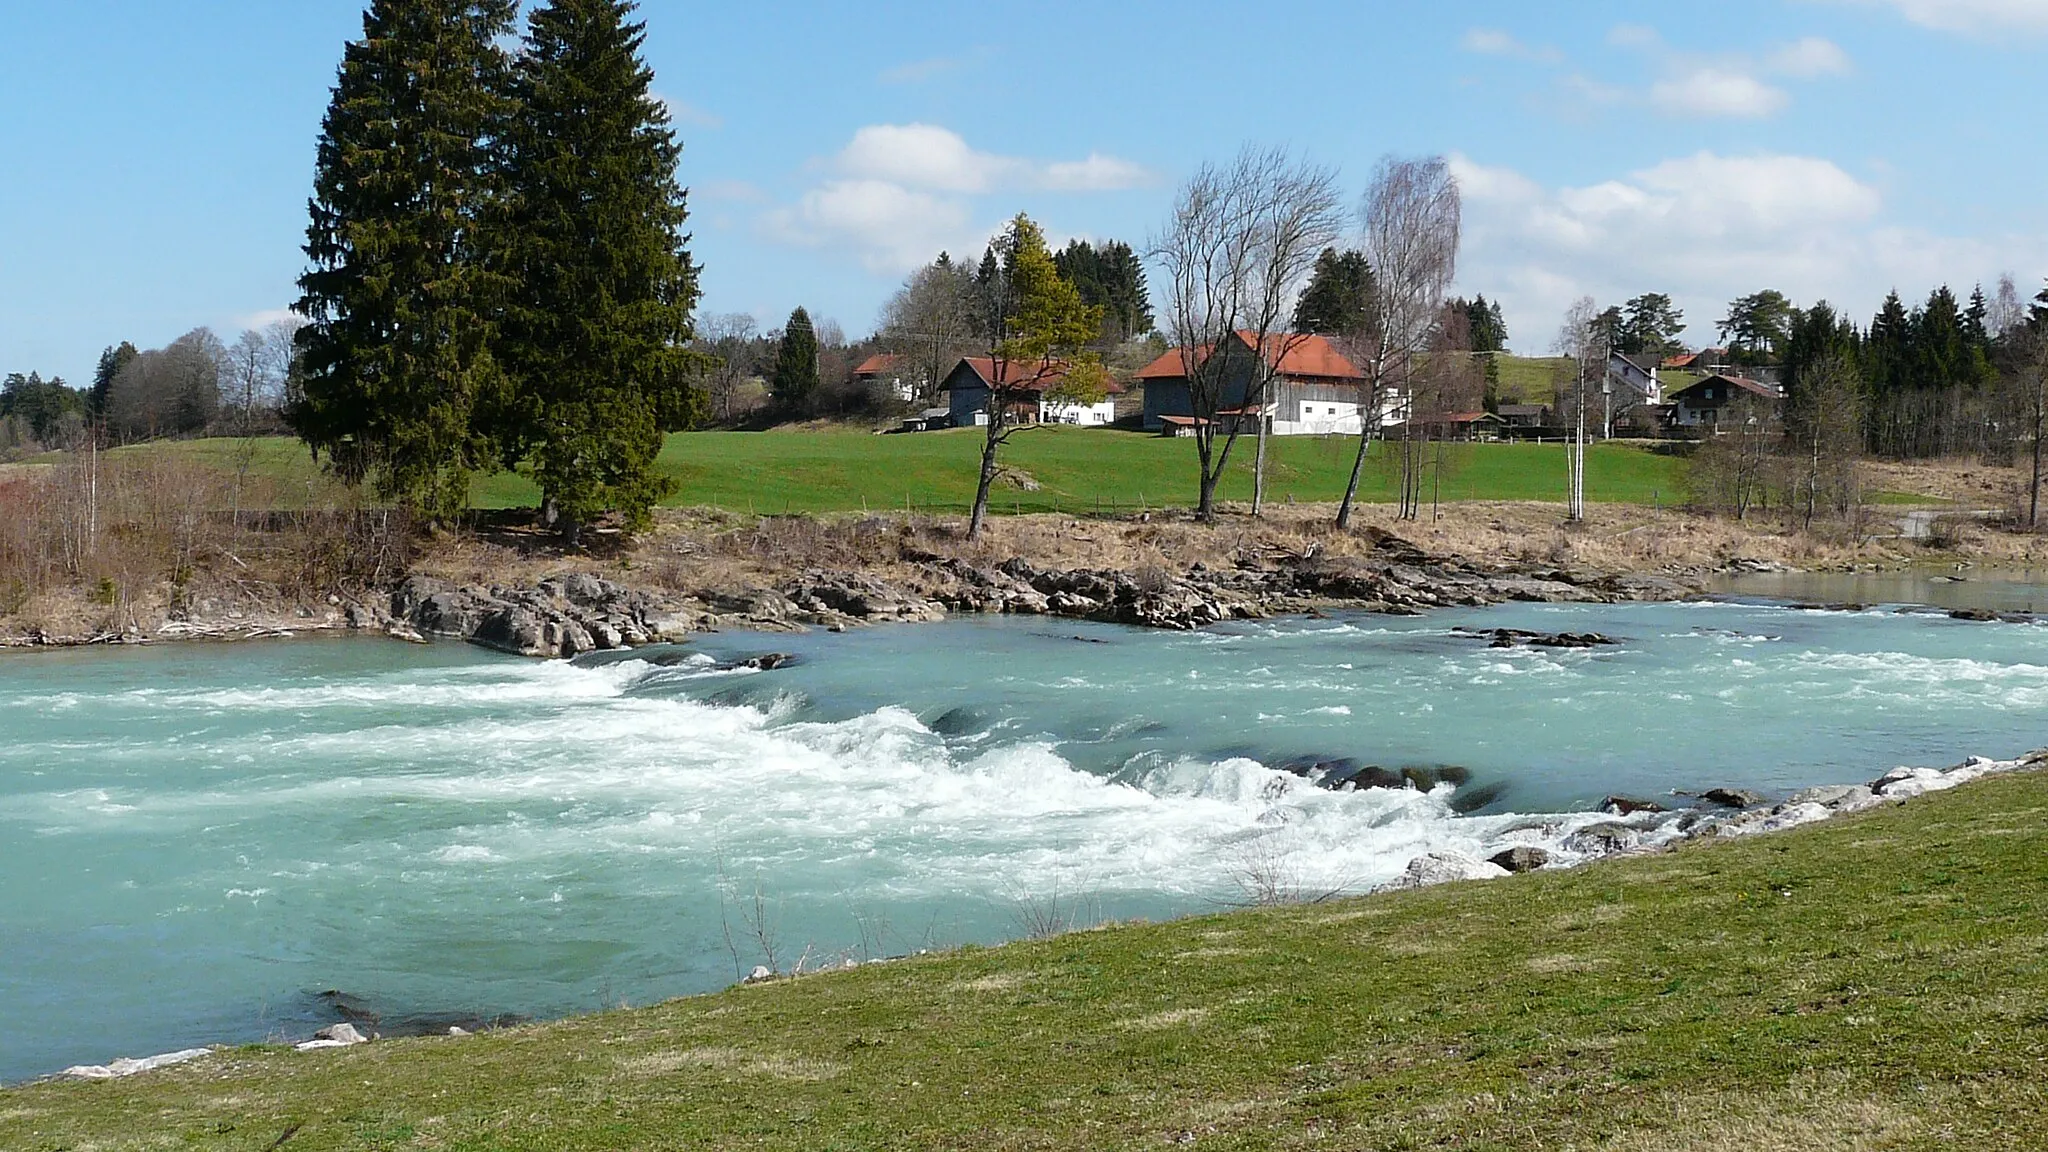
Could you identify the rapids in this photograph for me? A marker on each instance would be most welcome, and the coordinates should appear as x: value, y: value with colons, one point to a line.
x: 197, y: 840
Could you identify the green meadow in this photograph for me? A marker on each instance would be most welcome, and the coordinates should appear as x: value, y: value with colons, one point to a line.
x: 1049, y: 469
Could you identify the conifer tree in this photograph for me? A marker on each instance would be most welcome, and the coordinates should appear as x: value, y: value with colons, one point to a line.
x: 1338, y: 299
x: 1489, y: 329
x: 1126, y: 300
x: 396, y: 355
x: 794, y: 383
x: 594, y: 338
x: 112, y: 361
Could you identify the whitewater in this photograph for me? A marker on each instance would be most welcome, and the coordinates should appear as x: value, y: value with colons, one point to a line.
x: 196, y: 841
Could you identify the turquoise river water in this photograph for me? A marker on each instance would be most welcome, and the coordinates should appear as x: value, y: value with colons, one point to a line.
x: 198, y: 840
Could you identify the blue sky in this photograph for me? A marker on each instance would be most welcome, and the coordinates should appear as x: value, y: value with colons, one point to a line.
x: 155, y: 157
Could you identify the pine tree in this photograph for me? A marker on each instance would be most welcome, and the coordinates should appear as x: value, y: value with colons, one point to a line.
x: 1651, y: 326
x: 396, y: 355
x: 594, y: 338
x: 112, y: 361
x: 1975, y: 329
x: 794, y: 383
x: 1489, y: 331
x: 1338, y: 299
x: 1126, y: 301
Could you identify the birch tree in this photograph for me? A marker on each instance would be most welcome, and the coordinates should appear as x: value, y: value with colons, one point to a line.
x: 1242, y: 239
x: 1411, y: 220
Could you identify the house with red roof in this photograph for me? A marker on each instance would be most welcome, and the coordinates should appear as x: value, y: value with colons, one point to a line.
x: 1316, y: 391
x: 887, y: 374
x: 1025, y: 389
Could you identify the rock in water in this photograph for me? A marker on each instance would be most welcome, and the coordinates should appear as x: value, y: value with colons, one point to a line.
x: 1447, y: 868
x: 1520, y: 858
x: 1733, y: 797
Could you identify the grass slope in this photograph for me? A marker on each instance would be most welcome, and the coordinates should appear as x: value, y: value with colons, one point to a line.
x: 1875, y: 982
x: 1076, y: 470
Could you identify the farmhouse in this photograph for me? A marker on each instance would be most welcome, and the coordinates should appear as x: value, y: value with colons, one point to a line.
x: 1705, y: 404
x: 887, y: 374
x: 1315, y: 390
x: 1023, y: 392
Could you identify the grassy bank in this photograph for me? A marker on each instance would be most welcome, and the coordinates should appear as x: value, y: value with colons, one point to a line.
x: 1876, y: 982
x: 1075, y: 470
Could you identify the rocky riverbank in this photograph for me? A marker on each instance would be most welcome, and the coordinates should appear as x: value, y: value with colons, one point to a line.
x: 577, y: 613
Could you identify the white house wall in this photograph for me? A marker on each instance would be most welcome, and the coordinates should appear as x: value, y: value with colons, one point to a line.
x: 1085, y: 415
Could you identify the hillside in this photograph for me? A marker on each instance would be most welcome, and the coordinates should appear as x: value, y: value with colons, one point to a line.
x: 1872, y: 982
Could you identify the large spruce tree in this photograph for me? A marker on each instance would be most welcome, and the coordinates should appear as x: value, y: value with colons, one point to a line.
x: 595, y: 337
x: 396, y: 356
x: 794, y: 381
x: 1338, y: 299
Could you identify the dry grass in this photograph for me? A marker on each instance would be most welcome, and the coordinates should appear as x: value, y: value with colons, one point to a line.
x: 106, y: 544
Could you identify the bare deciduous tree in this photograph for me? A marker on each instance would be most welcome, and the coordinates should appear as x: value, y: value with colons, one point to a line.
x: 930, y: 322
x: 1242, y: 239
x: 1412, y: 218
x: 1583, y: 338
x: 729, y: 339
x: 1825, y: 427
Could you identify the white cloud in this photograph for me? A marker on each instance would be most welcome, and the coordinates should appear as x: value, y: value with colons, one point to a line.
x: 1810, y: 58
x: 728, y: 191
x: 889, y: 227
x: 1098, y: 173
x: 1705, y: 228
x: 265, y: 318
x: 919, y: 71
x: 1635, y: 36
x: 1977, y: 16
x: 682, y: 112
x: 1494, y: 42
x: 1715, y: 91
x: 928, y: 156
x: 899, y: 193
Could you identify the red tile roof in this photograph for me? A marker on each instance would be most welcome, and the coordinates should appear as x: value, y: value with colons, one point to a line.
x: 877, y: 364
x: 1310, y: 357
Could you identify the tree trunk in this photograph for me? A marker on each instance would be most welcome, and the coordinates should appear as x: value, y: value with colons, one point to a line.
x: 1357, y: 466
x: 1259, y: 467
x: 988, y: 478
x: 2034, y: 488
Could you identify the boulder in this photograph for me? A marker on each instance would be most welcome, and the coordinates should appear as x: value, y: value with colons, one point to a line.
x: 344, y: 1033
x: 1629, y: 806
x: 1785, y: 816
x: 1447, y: 868
x: 517, y: 631
x: 1602, y: 839
x: 1520, y: 858
x: 124, y: 1067
x: 1734, y: 797
x: 1832, y: 795
x: 1905, y: 783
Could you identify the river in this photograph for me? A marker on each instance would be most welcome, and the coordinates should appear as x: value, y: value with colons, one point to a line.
x: 196, y: 840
